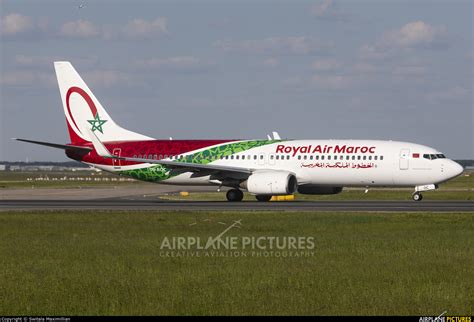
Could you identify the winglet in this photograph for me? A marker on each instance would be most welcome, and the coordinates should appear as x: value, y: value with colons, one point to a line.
x: 98, y: 146
x: 276, y: 136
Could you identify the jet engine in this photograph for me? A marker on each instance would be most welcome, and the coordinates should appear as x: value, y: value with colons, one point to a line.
x: 271, y: 183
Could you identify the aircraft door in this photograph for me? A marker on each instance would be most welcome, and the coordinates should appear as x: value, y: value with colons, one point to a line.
x: 117, y: 162
x: 404, y: 161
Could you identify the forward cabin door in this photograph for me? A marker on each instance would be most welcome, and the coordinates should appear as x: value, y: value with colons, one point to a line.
x: 117, y: 162
x: 404, y: 155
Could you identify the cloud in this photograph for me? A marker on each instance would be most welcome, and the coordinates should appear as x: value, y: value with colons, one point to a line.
x: 450, y: 95
x: 298, y: 45
x: 17, y: 25
x: 414, y: 34
x: 325, y: 65
x: 80, y: 29
x: 331, y: 82
x: 33, y: 61
x: 133, y: 29
x: 411, y: 36
x: 27, y: 78
x: 139, y: 28
x: 271, y: 62
x: 327, y: 9
x: 173, y: 63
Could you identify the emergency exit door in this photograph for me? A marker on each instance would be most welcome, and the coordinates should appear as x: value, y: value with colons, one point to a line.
x: 117, y: 162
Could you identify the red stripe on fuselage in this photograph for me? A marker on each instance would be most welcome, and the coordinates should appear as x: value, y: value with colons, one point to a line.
x: 152, y: 147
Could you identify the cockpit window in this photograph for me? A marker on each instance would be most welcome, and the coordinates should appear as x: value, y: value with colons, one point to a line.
x: 434, y: 156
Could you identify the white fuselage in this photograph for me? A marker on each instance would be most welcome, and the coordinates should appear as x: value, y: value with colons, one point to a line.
x: 337, y: 163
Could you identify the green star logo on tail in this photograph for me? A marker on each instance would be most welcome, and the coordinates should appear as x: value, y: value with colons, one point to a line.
x: 97, y: 123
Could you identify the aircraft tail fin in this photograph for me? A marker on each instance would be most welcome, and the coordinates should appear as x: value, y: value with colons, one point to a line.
x: 83, y: 110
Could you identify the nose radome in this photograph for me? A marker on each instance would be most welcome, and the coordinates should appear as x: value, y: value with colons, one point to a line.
x: 455, y: 169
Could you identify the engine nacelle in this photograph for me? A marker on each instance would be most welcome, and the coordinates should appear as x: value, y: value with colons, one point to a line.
x: 312, y: 189
x: 271, y: 183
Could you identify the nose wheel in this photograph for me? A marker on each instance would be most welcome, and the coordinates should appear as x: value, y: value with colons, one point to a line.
x: 417, y: 196
x: 235, y: 195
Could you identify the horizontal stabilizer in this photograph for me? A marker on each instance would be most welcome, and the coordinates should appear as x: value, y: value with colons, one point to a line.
x: 57, y: 146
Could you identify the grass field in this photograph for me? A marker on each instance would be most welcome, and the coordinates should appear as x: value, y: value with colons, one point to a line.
x: 72, y: 262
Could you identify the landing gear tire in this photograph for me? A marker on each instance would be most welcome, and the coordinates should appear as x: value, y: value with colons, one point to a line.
x: 263, y: 198
x: 417, y: 196
x: 235, y: 195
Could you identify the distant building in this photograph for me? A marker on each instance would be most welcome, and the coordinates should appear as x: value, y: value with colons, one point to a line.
x: 3, y: 167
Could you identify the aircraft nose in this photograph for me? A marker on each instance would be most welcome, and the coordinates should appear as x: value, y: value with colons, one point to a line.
x: 454, y: 169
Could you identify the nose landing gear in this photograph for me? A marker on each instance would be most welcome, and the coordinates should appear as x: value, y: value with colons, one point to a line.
x: 417, y: 196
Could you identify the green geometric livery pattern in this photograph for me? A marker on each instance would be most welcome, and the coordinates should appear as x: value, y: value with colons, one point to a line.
x: 159, y: 172
x: 154, y: 173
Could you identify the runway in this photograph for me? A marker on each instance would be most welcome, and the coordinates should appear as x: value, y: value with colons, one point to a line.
x: 294, y: 206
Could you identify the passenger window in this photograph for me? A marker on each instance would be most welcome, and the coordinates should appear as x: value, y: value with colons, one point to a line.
x: 329, y: 157
x: 364, y: 157
x: 381, y: 157
x: 358, y: 157
x: 370, y: 157
x: 304, y: 158
x: 255, y: 157
x: 261, y: 157
x: 232, y: 157
x: 299, y: 157
x: 288, y: 157
x: 322, y: 157
x: 347, y: 157
x: 353, y: 157
x: 311, y: 157
x: 134, y: 156
x: 375, y: 158
x: 317, y: 157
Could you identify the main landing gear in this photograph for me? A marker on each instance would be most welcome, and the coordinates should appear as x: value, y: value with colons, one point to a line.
x: 417, y: 196
x: 263, y: 198
x: 235, y: 195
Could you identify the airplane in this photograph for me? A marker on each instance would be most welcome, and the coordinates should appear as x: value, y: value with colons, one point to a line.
x: 263, y: 168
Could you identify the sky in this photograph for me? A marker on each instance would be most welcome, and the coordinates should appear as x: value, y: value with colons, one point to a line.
x: 394, y: 70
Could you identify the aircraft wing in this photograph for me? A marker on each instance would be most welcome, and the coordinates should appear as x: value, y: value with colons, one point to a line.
x: 191, y: 167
